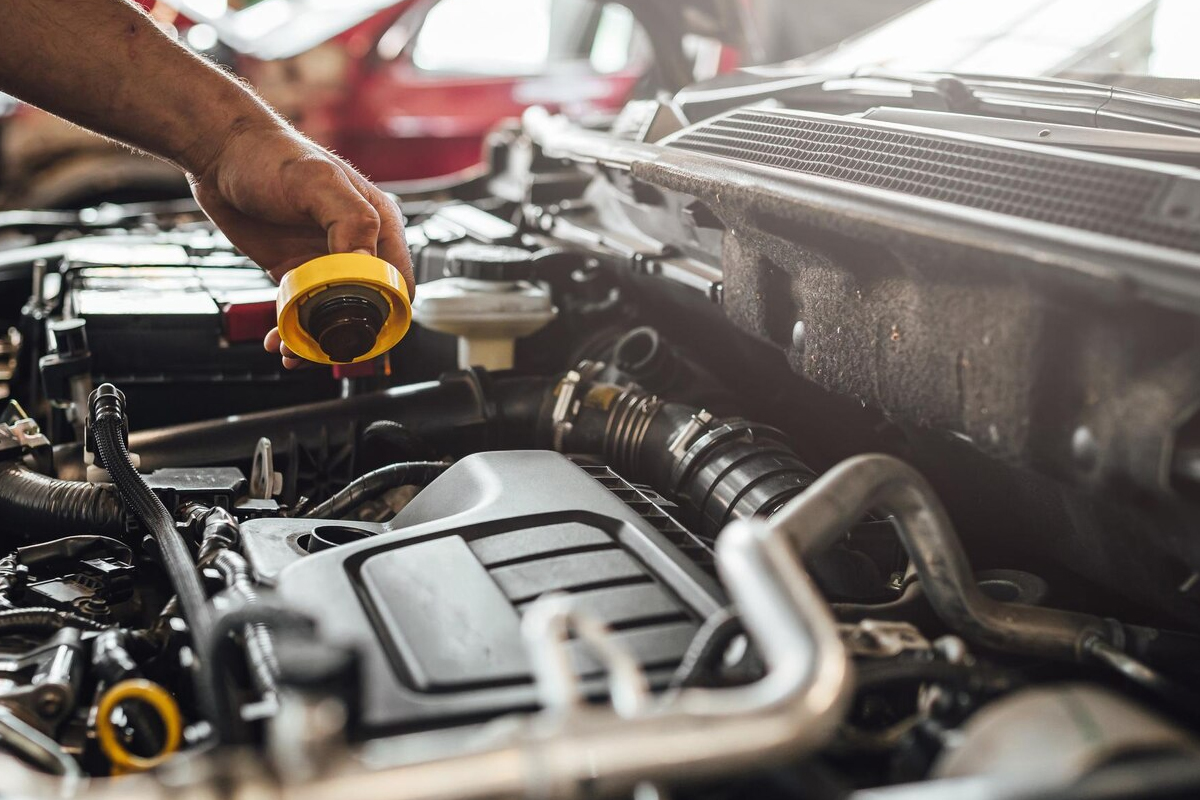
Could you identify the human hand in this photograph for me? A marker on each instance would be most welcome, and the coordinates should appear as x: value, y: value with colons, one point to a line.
x: 282, y: 200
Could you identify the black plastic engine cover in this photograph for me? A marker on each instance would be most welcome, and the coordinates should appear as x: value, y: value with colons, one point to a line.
x: 433, y: 600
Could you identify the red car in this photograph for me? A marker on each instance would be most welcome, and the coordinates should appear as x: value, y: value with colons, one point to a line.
x: 404, y: 90
x: 411, y: 90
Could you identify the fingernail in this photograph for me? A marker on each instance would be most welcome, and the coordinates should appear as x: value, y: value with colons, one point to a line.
x: 363, y: 252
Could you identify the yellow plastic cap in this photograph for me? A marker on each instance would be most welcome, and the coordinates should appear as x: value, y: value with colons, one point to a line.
x: 360, y: 276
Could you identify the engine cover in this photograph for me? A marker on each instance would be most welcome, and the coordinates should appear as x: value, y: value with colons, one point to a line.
x: 433, y: 600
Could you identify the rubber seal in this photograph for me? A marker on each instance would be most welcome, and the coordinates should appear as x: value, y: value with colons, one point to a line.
x: 163, y: 704
x: 355, y: 270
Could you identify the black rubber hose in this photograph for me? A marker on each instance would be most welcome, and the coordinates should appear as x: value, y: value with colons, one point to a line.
x: 107, y: 428
x: 872, y: 675
x: 41, y: 507
x: 460, y: 413
x: 373, y: 484
x: 718, y: 469
x: 40, y: 620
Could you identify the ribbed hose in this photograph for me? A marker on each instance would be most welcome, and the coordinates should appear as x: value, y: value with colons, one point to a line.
x: 41, y: 507
x: 260, y: 648
x: 108, y: 436
x: 373, y: 484
x: 40, y: 620
x: 719, y: 469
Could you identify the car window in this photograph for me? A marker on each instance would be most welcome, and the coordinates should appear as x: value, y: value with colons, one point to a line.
x: 613, y: 44
x: 523, y: 37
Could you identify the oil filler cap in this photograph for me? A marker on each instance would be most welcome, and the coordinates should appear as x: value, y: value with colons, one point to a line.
x: 343, y: 308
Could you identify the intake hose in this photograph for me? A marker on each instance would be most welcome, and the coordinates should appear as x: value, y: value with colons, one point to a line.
x: 41, y: 507
x: 107, y: 427
x: 374, y: 484
x: 719, y: 469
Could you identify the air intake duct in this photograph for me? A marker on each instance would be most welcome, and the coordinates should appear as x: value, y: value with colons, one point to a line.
x: 719, y: 469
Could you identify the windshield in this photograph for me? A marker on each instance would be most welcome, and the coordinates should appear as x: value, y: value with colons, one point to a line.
x: 1149, y: 45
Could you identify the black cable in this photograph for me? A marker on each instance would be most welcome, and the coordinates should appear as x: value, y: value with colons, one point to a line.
x: 108, y: 436
x: 373, y: 484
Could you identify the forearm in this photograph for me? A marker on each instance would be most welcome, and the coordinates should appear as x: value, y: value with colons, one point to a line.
x: 104, y: 65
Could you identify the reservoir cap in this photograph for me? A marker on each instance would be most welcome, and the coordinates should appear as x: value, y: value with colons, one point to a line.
x: 343, y: 308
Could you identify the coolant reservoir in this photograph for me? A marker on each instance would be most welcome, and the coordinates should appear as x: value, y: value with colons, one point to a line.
x: 489, y: 302
x: 343, y: 308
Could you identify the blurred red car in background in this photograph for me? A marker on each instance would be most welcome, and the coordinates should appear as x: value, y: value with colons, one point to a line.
x: 404, y: 90
x: 409, y: 89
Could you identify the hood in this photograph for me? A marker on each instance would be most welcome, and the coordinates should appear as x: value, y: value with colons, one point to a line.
x: 670, y: 26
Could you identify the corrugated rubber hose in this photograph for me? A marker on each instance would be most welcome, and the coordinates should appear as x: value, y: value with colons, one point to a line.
x: 43, y: 507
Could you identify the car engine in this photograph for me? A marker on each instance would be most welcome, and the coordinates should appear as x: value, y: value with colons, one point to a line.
x: 739, y: 450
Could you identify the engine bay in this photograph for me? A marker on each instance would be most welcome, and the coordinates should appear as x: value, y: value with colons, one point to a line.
x: 736, y: 452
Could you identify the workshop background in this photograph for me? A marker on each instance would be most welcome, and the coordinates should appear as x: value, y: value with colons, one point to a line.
x: 404, y: 89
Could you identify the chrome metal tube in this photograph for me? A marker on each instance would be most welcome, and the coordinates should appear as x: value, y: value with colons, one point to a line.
x: 578, y: 750
x: 39, y: 748
x: 841, y: 497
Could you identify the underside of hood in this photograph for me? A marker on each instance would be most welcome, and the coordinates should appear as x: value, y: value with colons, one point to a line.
x: 670, y: 24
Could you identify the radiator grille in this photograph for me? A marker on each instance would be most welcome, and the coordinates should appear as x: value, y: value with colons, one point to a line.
x: 1086, y: 195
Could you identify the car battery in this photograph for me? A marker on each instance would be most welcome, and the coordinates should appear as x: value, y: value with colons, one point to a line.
x: 182, y: 331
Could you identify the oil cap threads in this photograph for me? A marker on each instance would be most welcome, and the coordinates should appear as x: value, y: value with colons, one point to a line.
x: 343, y: 308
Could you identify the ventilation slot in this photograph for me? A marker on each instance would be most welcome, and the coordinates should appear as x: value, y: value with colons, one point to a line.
x: 1047, y: 187
x: 652, y: 507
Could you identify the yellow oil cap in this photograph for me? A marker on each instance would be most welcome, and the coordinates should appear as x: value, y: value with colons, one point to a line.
x: 343, y: 308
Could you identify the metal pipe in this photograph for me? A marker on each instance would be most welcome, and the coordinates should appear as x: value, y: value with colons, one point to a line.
x: 840, y: 498
x: 690, y: 735
x: 547, y: 627
x: 38, y: 748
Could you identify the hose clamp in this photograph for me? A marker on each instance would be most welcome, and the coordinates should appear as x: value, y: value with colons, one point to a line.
x: 697, y: 425
x: 567, y: 400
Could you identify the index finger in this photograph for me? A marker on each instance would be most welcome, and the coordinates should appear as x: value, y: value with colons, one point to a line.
x: 392, y: 246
